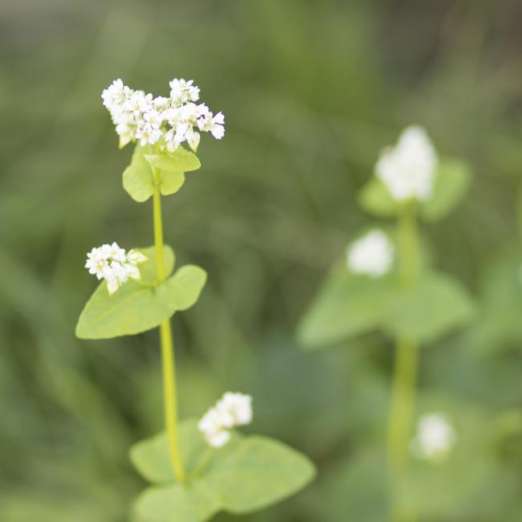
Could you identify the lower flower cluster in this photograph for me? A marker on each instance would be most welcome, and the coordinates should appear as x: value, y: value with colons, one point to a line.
x: 114, y: 264
x: 234, y: 409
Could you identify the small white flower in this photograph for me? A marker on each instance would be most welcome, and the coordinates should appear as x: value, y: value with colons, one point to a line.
x: 182, y: 91
x: 370, y: 255
x: 435, y: 437
x: 165, y: 122
x: 213, y: 124
x: 112, y: 263
x: 408, y: 169
x: 233, y: 409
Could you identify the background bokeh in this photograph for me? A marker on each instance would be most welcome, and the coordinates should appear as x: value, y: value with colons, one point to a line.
x: 311, y: 91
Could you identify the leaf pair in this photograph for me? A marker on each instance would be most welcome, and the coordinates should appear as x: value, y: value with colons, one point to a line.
x: 148, y: 167
x: 141, y: 305
x: 249, y: 473
x: 451, y: 182
x: 349, y: 305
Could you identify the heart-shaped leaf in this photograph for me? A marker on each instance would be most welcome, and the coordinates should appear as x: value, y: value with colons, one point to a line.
x: 137, y: 307
x: 138, y: 179
x: 347, y: 305
x: 249, y: 473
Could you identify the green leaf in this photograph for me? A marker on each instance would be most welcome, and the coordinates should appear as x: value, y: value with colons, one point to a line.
x: 137, y: 177
x: 171, y: 182
x: 249, y: 473
x: 136, y: 307
x: 350, y: 305
x: 257, y: 473
x: 347, y: 305
x: 451, y: 183
x: 151, y: 456
x: 174, y: 503
x: 435, y: 306
x: 377, y: 200
x: 182, y: 291
x: 148, y: 268
x: 181, y: 160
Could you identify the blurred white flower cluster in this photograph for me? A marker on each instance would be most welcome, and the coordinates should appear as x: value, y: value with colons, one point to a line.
x: 112, y: 263
x: 435, y: 437
x: 234, y: 409
x: 370, y: 255
x: 408, y: 169
x: 168, y: 122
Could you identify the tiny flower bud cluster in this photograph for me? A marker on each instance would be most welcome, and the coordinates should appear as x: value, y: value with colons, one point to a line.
x: 112, y: 263
x: 408, y: 169
x: 234, y: 409
x: 435, y: 437
x: 168, y: 122
x: 370, y: 255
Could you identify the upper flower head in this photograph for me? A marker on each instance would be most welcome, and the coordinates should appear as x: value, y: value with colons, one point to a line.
x: 408, y: 169
x: 370, y: 255
x: 234, y: 409
x: 435, y: 436
x: 168, y: 122
x: 112, y: 263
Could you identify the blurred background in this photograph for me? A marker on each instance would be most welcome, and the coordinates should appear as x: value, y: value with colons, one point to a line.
x: 311, y: 92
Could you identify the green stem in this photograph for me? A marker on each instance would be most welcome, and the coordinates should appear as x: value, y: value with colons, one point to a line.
x: 405, y: 372
x: 167, y: 350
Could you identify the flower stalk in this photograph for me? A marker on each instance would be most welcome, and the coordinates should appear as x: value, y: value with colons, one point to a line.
x: 405, y: 372
x: 167, y: 347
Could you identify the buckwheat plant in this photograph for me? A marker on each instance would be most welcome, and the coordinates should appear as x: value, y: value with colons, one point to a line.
x: 386, y: 282
x: 196, y: 468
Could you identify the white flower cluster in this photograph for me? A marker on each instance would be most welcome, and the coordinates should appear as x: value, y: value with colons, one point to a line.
x: 370, y: 255
x: 168, y: 122
x: 234, y: 409
x: 435, y: 437
x: 112, y: 263
x: 408, y: 169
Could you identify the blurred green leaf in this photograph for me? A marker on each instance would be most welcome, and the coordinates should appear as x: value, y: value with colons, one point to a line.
x: 376, y: 199
x: 435, y: 306
x: 347, y: 305
x: 498, y: 326
x: 136, y: 308
x: 451, y: 183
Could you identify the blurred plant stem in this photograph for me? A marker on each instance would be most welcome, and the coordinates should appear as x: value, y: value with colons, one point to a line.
x: 404, y: 378
x: 167, y: 349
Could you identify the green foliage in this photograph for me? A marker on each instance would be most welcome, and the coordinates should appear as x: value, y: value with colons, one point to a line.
x: 249, y: 473
x: 349, y: 305
x: 451, y: 184
x: 498, y: 327
x: 141, y: 305
x: 275, y: 206
x: 137, y: 178
x: 376, y: 199
x: 149, y: 166
x: 436, y: 305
